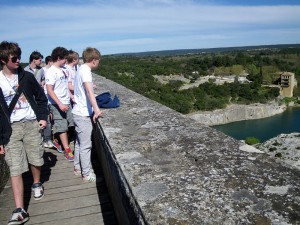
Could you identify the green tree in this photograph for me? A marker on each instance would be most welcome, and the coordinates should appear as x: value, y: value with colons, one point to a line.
x: 270, y: 74
x: 236, y: 69
x: 251, y: 69
x: 240, y: 59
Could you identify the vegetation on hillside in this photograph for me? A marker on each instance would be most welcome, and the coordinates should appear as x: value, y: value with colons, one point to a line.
x: 263, y: 66
x: 252, y: 140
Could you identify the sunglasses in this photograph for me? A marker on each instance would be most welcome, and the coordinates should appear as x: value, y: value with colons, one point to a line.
x: 15, y: 59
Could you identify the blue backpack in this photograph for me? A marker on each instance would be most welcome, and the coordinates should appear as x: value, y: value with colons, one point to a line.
x: 105, y: 100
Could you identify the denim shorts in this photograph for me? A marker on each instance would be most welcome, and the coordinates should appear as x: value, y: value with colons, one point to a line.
x: 61, y: 120
x: 24, y: 147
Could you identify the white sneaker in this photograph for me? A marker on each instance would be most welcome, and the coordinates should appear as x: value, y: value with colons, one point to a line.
x: 90, y: 178
x: 48, y: 144
x: 45, y: 144
x: 19, y: 216
x: 38, y: 191
x: 77, y: 172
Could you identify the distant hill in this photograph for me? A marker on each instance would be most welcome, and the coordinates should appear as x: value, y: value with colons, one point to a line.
x: 210, y: 50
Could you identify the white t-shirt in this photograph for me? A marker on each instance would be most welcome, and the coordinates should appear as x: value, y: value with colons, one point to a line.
x: 43, y: 76
x: 83, y: 106
x: 22, y: 110
x: 71, y: 73
x: 58, y: 78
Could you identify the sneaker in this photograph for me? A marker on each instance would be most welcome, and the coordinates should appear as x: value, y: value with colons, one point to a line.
x: 69, y: 155
x: 38, y: 191
x: 90, y: 178
x: 48, y: 144
x: 45, y: 144
x: 57, y: 146
x: 77, y: 172
x: 19, y: 216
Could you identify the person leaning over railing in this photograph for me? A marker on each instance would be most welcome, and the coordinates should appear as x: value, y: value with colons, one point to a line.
x: 85, y: 113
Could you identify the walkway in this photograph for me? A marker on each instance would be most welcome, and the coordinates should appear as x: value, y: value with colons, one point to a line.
x: 67, y: 199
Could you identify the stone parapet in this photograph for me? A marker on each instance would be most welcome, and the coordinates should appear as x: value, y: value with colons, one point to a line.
x: 162, y: 167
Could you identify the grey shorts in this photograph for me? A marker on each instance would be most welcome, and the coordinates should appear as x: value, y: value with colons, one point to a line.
x: 61, y: 120
x: 24, y: 147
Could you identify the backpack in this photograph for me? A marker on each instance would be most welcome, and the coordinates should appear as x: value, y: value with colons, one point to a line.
x: 104, y: 100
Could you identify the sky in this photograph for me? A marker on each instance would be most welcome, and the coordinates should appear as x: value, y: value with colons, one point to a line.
x: 129, y: 26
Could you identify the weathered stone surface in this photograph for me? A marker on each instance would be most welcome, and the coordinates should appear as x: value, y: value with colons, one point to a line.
x: 285, y: 149
x: 235, y: 113
x: 182, y: 172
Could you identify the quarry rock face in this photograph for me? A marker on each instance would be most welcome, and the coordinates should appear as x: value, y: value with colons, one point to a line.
x: 235, y: 113
x: 177, y: 171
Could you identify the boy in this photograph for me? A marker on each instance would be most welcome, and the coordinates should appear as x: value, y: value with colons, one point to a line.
x: 72, y: 61
x: 47, y: 134
x: 28, y: 116
x: 35, y: 61
x: 59, y: 98
x: 85, y: 112
x: 40, y: 76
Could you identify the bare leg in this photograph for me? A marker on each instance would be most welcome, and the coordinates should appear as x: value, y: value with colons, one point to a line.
x: 18, y: 190
x: 36, y: 173
x: 64, y: 140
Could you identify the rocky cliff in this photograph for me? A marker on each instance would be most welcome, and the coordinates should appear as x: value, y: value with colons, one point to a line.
x: 285, y: 149
x: 235, y: 113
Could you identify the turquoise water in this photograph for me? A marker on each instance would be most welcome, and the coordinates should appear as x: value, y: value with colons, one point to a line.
x: 266, y: 128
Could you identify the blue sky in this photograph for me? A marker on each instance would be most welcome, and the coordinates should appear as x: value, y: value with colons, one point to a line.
x: 120, y: 26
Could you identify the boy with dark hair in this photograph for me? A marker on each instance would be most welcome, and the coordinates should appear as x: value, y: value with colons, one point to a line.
x: 59, y: 98
x: 35, y: 61
x: 26, y: 110
x: 40, y: 76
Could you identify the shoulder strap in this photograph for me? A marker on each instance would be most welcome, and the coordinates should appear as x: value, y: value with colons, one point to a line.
x: 14, y: 101
x: 18, y: 93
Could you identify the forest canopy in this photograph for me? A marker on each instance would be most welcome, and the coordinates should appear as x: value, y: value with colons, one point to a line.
x: 260, y: 65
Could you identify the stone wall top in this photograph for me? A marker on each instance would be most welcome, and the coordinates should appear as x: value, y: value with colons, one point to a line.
x: 182, y: 172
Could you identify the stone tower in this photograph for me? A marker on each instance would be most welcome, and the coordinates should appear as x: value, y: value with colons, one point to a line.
x: 287, y: 83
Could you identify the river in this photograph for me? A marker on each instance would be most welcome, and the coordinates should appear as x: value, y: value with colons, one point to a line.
x: 264, y: 129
